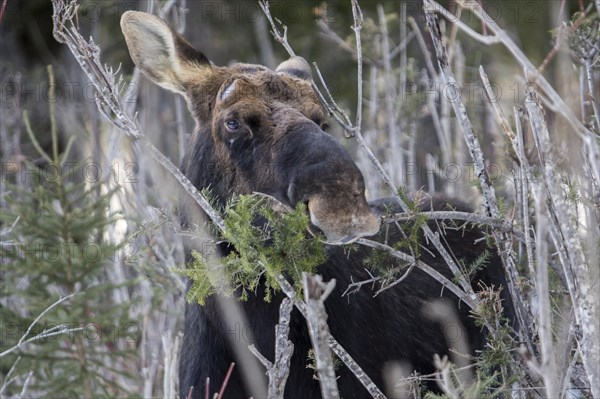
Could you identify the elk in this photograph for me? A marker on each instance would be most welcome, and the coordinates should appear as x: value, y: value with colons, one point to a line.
x: 261, y: 130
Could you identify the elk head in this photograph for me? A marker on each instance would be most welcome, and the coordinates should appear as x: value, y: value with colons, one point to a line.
x: 258, y: 130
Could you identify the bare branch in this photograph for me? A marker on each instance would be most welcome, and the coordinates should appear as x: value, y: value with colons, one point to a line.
x: 331, y: 105
x: 7, y: 378
x: 280, y: 36
x: 503, y: 243
x: 530, y: 70
x: 279, y: 371
x: 331, y: 35
x: 108, y: 97
x: 357, y: 28
x: 315, y: 293
x: 423, y: 46
x: 519, y: 147
x: 423, y: 266
x: 356, y: 286
x: 56, y: 330
x: 339, y: 351
x: 461, y: 113
x: 455, y: 20
x: 548, y: 365
x: 456, y: 215
x: 395, y: 149
x: 576, y: 268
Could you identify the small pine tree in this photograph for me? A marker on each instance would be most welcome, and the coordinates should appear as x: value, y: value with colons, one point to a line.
x: 56, y: 247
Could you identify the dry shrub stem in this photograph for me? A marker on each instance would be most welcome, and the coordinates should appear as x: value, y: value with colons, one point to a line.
x: 503, y: 242
x: 315, y: 293
x: 500, y: 36
x: 578, y: 272
x: 47, y: 333
x: 279, y: 370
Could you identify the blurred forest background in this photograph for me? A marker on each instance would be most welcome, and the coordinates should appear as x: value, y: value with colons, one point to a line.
x: 64, y: 165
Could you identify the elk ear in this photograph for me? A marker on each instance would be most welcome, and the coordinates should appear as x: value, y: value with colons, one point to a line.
x: 295, y: 66
x: 162, y: 54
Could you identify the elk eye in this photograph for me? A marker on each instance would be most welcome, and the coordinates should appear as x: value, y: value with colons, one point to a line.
x: 233, y: 125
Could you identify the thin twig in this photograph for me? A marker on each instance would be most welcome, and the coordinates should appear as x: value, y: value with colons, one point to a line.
x: 525, y: 172
x: 315, y: 293
x: 576, y: 268
x: 461, y: 113
x: 7, y: 378
x: 398, y: 280
x: 339, y: 351
x: 225, y: 381
x: 530, y: 70
x: 455, y: 20
x: 331, y: 105
x: 503, y: 242
x: 280, y: 36
x: 423, y: 266
x: 356, y: 286
x: 26, y: 384
x: 456, y: 215
x: 395, y: 150
x: 357, y: 28
x: 572, y: 28
x: 279, y: 371
x: 443, y: 377
x: 489, y: 195
x: 548, y: 365
x: 56, y: 330
x: 421, y: 40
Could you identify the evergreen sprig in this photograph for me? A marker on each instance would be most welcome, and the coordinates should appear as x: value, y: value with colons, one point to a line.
x: 266, y: 243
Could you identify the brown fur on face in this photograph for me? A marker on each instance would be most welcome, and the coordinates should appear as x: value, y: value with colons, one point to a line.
x: 258, y: 130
